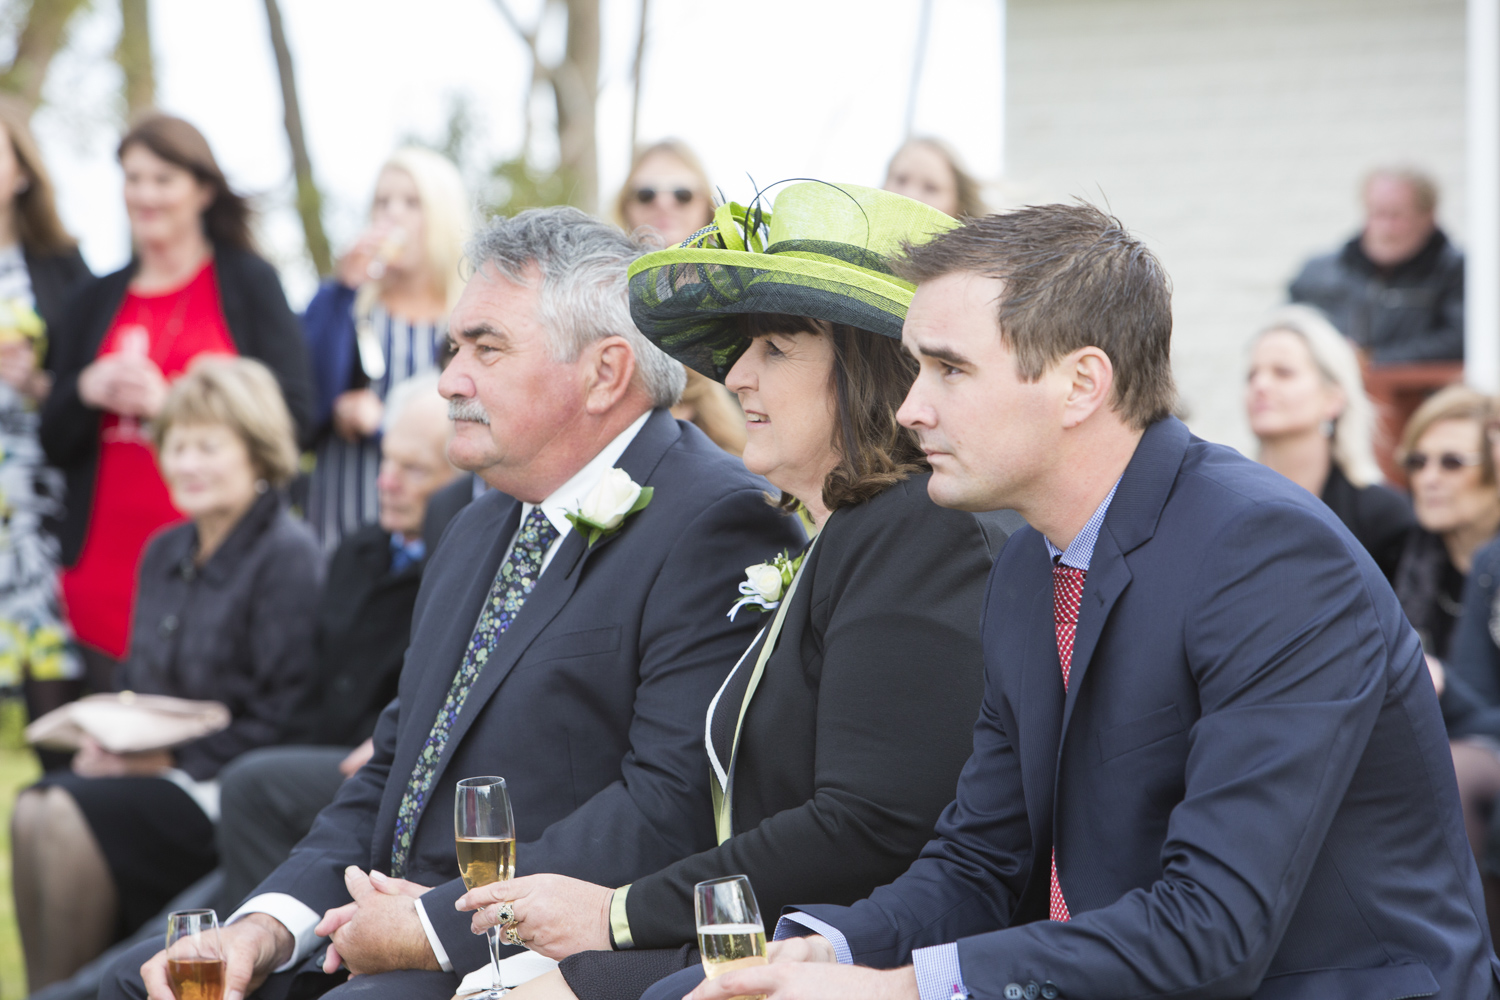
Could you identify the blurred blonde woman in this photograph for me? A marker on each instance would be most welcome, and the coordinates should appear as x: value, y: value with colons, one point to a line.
x: 1306, y: 402
x: 668, y: 194
x: 929, y: 171
x: 381, y: 321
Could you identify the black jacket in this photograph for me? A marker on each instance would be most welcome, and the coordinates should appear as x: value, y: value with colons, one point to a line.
x: 1411, y: 312
x: 1430, y: 589
x: 854, y: 737
x: 54, y: 277
x: 1377, y: 515
x: 260, y: 322
x: 364, y: 625
x: 237, y: 629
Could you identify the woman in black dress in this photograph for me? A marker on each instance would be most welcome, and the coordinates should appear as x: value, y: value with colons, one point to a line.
x: 836, y: 740
x: 224, y: 612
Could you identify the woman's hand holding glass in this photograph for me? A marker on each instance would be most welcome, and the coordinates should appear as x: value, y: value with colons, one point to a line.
x: 555, y: 916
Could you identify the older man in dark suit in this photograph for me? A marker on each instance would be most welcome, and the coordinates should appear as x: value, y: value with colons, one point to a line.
x: 578, y: 664
x: 1209, y: 761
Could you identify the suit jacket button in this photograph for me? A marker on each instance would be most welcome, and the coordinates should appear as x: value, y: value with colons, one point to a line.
x: 1049, y: 990
x: 1033, y: 990
x: 1013, y: 991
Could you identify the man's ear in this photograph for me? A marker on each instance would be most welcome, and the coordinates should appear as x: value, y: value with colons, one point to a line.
x: 610, y: 373
x: 1091, y: 379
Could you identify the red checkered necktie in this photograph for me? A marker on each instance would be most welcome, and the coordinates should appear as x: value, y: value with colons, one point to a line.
x: 1067, y: 596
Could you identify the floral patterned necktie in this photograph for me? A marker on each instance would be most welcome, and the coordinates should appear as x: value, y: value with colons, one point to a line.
x: 517, y: 577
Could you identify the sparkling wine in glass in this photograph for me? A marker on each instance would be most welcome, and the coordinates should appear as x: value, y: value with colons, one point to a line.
x: 730, y: 933
x: 195, y: 957
x: 484, y: 834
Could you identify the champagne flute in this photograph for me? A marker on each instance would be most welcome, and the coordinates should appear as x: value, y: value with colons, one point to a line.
x: 484, y: 833
x: 730, y: 933
x: 195, y: 957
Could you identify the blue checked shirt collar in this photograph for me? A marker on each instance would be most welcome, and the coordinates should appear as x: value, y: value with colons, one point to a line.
x: 1080, y: 551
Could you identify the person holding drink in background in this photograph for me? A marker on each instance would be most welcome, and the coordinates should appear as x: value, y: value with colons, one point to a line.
x: 379, y: 322
x: 560, y: 628
x: 194, y: 286
x: 225, y: 613
x: 870, y: 632
x: 39, y: 265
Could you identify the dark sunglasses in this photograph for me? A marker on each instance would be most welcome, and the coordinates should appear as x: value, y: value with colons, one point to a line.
x: 1417, y: 461
x: 647, y: 195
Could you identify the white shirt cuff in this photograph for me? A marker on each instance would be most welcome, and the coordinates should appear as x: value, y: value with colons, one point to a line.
x: 788, y: 926
x: 293, y: 914
x: 432, y: 938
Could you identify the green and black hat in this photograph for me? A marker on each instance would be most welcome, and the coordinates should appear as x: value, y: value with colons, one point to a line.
x: 823, y: 251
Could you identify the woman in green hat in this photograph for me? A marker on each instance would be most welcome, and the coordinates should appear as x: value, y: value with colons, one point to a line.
x: 837, y: 738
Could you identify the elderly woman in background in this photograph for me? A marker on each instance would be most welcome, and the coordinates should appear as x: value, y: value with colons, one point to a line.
x: 39, y: 266
x: 876, y: 635
x: 225, y: 613
x: 1306, y: 403
x: 1452, y: 476
x: 668, y: 193
x: 929, y: 171
x: 381, y: 321
x: 195, y: 286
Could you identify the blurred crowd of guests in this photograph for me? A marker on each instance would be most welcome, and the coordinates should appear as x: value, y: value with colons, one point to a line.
x: 203, y: 494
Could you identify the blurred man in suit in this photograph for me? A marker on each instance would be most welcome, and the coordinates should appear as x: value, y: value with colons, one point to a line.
x: 579, y: 665
x: 1209, y: 761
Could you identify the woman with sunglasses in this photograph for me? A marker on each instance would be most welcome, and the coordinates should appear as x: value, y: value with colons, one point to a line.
x: 1306, y: 404
x: 668, y: 193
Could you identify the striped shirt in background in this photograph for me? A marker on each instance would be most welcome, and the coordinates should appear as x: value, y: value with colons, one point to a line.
x: 342, y: 496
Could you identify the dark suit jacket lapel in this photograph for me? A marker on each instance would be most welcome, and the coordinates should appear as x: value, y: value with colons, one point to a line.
x: 1129, y: 523
x: 558, y: 582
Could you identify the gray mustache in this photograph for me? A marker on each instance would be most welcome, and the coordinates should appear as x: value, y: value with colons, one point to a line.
x: 467, y: 409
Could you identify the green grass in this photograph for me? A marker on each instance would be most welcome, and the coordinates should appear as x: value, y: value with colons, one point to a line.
x: 18, y: 768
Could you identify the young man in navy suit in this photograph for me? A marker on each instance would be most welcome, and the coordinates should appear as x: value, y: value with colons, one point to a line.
x: 1209, y: 762
x: 577, y: 664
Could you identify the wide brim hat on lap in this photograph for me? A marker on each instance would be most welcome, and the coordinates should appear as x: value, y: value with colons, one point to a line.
x: 823, y: 251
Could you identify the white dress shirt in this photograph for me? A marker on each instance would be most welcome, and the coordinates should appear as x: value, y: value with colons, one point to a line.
x: 299, y: 918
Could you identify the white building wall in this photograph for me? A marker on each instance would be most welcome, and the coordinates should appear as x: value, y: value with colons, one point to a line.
x: 1231, y: 135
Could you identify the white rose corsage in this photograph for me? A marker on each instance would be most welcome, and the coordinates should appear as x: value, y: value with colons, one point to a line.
x: 614, y: 498
x: 765, y: 583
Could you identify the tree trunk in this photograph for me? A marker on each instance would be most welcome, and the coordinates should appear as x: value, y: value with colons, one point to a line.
x: 635, y: 79
x: 575, y: 85
x: 135, y: 58
x: 309, y: 200
x: 40, y: 38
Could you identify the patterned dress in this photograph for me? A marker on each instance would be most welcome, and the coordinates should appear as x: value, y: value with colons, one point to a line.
x: 32, y: 637
x: 341, y: 497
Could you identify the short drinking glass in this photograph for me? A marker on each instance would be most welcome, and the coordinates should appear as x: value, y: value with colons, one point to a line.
x: 195, y: 958
x: 484, y: 833
x: 730, y: 934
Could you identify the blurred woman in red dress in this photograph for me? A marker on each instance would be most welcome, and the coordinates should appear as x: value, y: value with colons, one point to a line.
x: 195, y: 285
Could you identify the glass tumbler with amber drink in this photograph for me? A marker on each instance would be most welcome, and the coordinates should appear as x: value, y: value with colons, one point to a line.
x: 730, y: 934
x: 195, y: 958
x: 484, y: 834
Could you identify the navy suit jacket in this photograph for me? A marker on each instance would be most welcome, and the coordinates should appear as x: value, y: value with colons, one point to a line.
x: 591, y: 708
x: 1247, y: 783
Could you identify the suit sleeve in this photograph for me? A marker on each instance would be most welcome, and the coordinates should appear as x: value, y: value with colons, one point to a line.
x: 659, y: 811
x: 900, y: 654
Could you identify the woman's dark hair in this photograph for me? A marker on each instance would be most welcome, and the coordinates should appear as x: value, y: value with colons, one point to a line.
x: 37, y: 224
x: 870, y: 378
x: 227, y: 218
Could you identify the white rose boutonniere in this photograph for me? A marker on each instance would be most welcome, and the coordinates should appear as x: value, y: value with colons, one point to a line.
x: 765, y: 583
x: 614, y: 498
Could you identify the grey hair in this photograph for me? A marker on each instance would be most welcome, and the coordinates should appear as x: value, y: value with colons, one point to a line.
x: 1354, y: 430
x: 582, y: 297
x: 414, y: 388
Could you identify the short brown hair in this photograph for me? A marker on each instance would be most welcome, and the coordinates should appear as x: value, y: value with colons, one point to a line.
x: 1074, y: 277
x: 1457, y: 402
x: 870, y: 378
x: 241, y: 394
x: 226, y: 220
x: 37, y: 222
x: 1424, y: 190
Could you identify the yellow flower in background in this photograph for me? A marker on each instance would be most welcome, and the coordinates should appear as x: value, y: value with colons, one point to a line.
x: 45, y: 652
x: 19, y: 321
